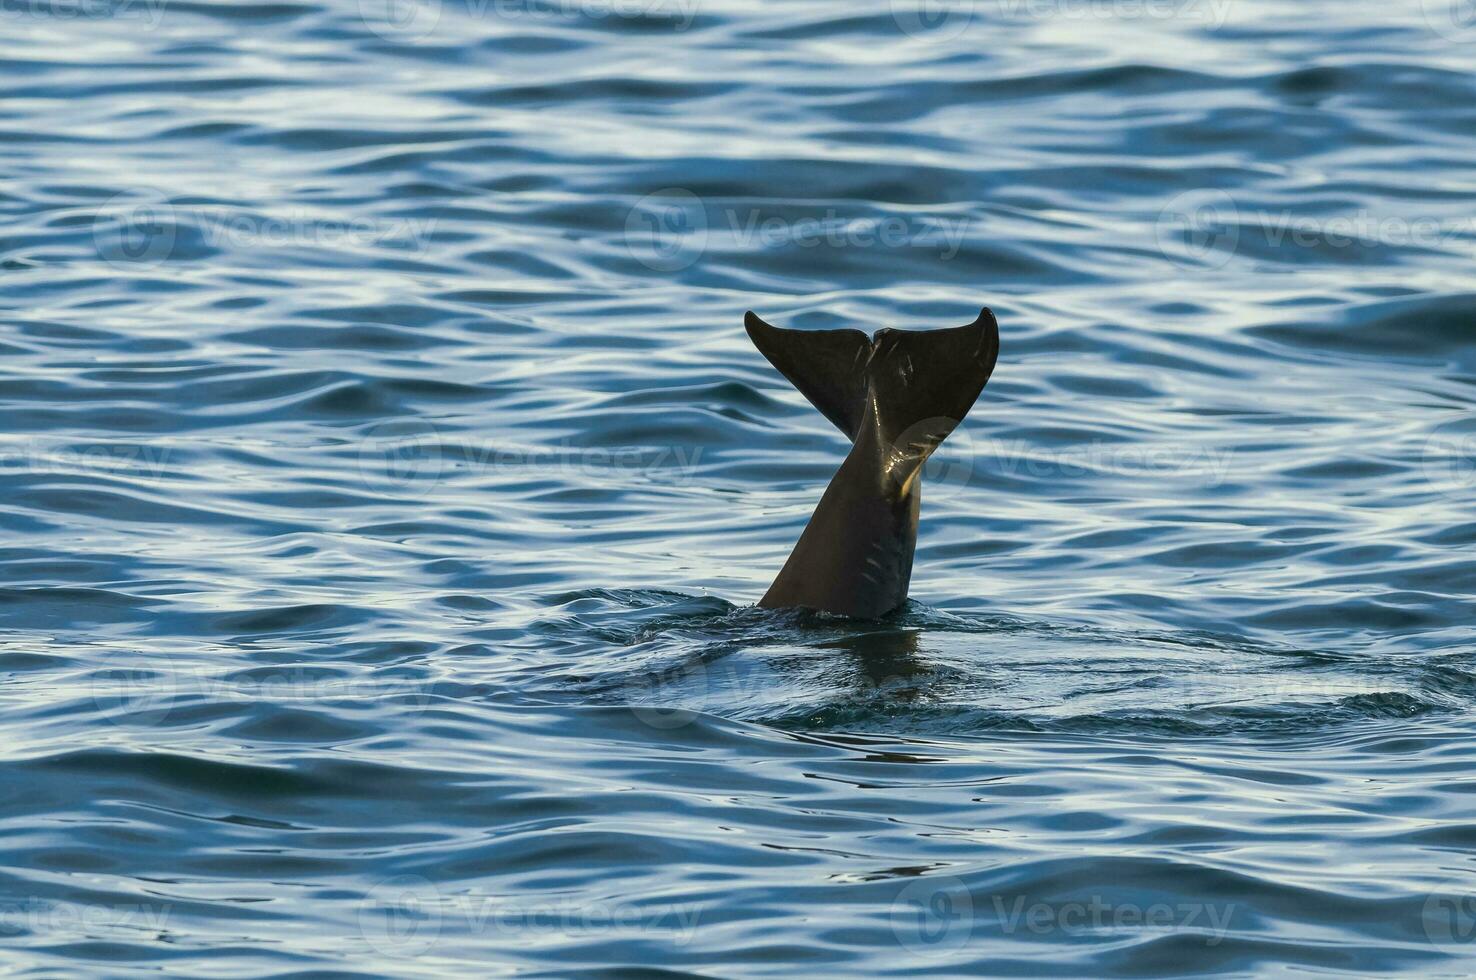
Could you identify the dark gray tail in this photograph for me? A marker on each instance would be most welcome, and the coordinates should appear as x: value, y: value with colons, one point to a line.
x: 912, y: 387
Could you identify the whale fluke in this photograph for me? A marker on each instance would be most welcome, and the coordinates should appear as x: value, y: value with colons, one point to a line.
x: 897, y: 395
x: 826, y: 366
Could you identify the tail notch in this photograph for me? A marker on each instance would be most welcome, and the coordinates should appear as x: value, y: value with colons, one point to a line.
x: 919, y: 383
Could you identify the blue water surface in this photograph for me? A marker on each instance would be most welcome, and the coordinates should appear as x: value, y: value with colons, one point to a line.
x: 386, y: 482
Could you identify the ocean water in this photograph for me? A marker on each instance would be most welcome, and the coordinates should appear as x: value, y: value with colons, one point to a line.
x: 386, y: 482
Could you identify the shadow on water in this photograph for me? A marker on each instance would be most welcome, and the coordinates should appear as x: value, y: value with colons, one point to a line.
x: 924, y: 672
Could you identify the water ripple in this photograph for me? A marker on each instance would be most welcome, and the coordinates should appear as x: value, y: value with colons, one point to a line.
x: 387, y: 481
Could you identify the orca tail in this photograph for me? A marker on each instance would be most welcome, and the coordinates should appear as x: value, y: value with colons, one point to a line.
x: 909, y: 389
x: 827, y: 366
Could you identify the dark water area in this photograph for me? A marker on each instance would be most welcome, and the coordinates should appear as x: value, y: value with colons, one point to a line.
x: 386, y: 483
